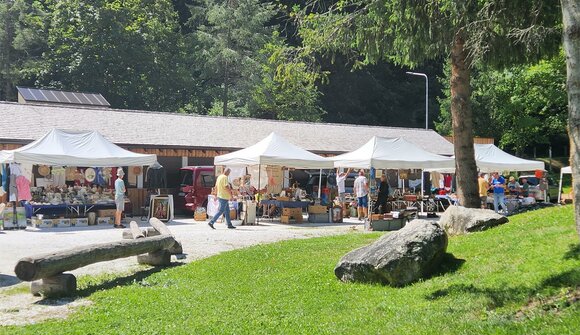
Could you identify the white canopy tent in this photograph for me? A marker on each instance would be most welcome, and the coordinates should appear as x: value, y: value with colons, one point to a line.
x: 490, y: 158
x: 568, y: 170
x: 274, y: 150
x: 391, y: 153
x: 75, y: 148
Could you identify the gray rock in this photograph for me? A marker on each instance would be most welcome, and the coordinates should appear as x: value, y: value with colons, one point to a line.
x: 396, y: 258
x: 458, y: 220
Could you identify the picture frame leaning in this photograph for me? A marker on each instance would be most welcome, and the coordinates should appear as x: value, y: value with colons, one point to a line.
x: 160, y: 208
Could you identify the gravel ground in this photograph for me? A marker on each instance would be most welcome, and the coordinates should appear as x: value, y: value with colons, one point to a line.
x: 198, y: 240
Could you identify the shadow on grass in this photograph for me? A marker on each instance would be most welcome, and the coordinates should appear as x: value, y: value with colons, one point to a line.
x: 573, y: 252
x: 7, y: 280
x: 499, y: 297
x: 448, y: 264
x: 122, y: 281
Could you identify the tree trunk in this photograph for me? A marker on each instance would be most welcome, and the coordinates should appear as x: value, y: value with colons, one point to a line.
x: 571, y: 20
x: 462, y: 121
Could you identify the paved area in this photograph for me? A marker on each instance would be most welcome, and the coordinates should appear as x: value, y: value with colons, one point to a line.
x: 197, y: 238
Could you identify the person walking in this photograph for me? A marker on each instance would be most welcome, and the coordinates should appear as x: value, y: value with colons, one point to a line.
x: 483, y: 187
x: 224, y: 195
x: 361, y: 189
x: 119, y: 197
x: 498, y: 183
x: 340, y: 178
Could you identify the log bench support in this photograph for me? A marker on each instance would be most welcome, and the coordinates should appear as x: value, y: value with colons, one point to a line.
x: 61, y: 285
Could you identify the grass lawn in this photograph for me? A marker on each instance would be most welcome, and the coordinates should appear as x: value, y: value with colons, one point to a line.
x: 519, y: 278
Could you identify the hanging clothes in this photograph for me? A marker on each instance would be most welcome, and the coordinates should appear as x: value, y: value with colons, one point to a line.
x: 4, y: 178
x: 23, y: 188
x: 156, y: 176
x: 447, y: 181
x: 13, y: 190
x: 99, y: 177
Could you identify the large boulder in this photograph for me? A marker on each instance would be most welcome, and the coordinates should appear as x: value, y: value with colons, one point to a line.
x: 396, y: 258
x: 458, y: 220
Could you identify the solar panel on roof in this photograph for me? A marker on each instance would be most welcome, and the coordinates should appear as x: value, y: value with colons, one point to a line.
x: 56, y: 96
x: 25, y: 92
x: 61, y: 97
x: 51, y: 96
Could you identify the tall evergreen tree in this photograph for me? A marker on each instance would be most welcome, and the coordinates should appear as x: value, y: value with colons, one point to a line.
x: 410, y: 32
x: 231, y: 35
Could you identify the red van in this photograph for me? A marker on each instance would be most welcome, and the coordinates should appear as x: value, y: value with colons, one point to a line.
x: 196, y: 185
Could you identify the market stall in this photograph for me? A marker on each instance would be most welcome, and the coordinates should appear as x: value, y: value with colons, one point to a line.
x: 274, y: 150
x: 72, y: 173
x: 392, y: 153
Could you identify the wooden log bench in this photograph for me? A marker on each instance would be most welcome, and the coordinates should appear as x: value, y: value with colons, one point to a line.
x: 46, y: 272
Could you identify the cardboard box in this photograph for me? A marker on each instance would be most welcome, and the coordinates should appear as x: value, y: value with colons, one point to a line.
x: 104, y: 220
x: 106, y: 212
x: 292, y: 211
x: 197, y: 216
x: 81, y: 222
x: 375, y: 217
x: 64, y: 222
x: 284, y: 219
x: 283, y: 198
x: 8, y: 219
x: 44, y: 223
x: 317, y: 209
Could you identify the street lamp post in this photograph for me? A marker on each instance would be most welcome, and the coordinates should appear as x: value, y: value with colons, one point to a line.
x: 426, y: 96
x: 426, y: 127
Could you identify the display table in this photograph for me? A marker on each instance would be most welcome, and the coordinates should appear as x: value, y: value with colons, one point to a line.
x: 286, y: 204
x: 65, y: 210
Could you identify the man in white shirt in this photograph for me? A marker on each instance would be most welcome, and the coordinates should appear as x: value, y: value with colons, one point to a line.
x: 361, y: 189
x: 340, y: 178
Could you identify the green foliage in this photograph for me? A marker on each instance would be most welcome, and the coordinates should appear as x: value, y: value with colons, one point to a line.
x: 22, y: 42
x: 521, y: 106
x: 288, y: 89
x: 130, y: 51
x: 231, y: 35
x: 512, y: 279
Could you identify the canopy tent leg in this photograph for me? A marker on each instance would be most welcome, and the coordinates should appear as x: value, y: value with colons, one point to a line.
x: 560, y: 186
x: 422, y: 188
x: 259, y: 180
x: 319, y: 183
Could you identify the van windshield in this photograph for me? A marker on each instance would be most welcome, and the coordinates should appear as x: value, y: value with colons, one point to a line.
x: 186, y: 177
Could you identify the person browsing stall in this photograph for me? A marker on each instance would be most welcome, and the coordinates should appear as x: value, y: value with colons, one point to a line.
x: 513, y: 186
x: 361, y: 189
x: 119, y: 197
x: 224, y: 195
x: 483, y: 188
x: 498, y: 183
x: 383, y: 194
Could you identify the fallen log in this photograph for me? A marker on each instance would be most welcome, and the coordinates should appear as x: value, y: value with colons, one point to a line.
x: 159, y: 226
x: 51, y: 264
x: 135, y: 231
x: 150, y: 231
